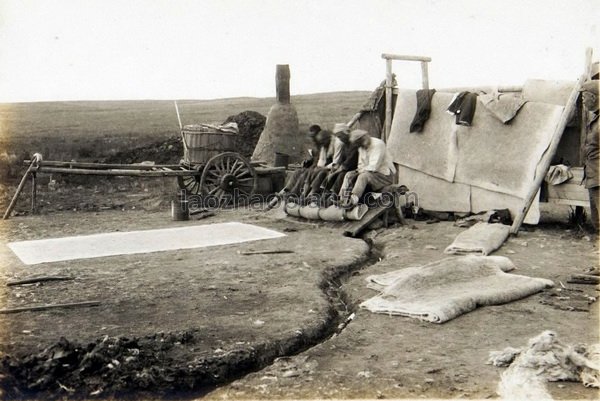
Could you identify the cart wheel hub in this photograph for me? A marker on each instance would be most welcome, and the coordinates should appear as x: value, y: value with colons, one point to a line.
x: 228, y: 182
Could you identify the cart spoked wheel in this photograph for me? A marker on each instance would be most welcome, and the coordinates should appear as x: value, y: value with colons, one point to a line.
x: 190, y: 183
x: 228, y: 178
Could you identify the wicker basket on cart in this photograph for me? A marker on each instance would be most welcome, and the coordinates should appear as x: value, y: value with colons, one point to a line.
x: 201, y: 142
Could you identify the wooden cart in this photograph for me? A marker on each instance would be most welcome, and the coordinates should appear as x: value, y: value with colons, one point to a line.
x: 209, y: 168
x: 215, y: 169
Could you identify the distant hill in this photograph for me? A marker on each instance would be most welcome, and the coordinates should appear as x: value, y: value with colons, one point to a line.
x: 68, y: 129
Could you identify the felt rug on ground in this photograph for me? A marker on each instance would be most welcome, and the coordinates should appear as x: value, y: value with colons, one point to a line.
x: 132, y: 242
x: 442, y: 290
x: 481, y: 239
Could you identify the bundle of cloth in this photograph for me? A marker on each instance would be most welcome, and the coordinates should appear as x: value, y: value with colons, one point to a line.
x: 481, y: 239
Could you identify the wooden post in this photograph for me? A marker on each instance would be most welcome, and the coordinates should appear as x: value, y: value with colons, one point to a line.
x: 547, y: 156
x: 354, y: 119
x: 282, y: 83
x: 403, y: 57
x: 33, y: 193
x: 388, y: 99
x: 34, y: 164
x: 584, y: 112
x: 425, y: 74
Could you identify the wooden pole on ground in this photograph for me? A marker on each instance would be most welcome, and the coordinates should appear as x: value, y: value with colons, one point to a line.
x: 48, y: 306
x: 34, y: 164
x: 41, y: 279
x: 547, y: 156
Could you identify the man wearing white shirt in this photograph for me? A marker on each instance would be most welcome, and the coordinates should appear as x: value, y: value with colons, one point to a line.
x: 375, y: 168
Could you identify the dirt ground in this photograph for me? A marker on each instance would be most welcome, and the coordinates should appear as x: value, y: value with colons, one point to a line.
x: 380, y: 356
x: 219, y: 314
x: 233, y: 303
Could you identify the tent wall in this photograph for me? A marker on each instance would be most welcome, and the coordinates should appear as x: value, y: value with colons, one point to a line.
x: 488, y: 165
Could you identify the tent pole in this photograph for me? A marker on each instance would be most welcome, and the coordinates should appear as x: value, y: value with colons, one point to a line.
x: 388, y: 98
x: 584, y: 117
x: 425, y: 74
x: 547, y: 156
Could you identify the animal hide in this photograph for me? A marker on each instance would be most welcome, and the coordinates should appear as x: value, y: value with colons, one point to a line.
x: 545, y: 358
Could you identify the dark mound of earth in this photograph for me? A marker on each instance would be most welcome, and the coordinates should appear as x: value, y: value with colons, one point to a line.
x: 163, y: 152
x: 250, y: 124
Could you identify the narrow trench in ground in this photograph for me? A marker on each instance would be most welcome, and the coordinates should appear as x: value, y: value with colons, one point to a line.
x: 343, y: 308
x: 202, y: 376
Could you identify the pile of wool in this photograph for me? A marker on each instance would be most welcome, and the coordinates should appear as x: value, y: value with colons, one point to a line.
x: 545, y: 358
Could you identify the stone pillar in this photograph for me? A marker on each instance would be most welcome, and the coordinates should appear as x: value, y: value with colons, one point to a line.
x: 281, y: 133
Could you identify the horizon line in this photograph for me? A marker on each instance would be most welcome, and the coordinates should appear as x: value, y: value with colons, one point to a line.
x: 177, y: 99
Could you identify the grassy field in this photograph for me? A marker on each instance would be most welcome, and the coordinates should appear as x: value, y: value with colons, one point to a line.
x: 88, y: 129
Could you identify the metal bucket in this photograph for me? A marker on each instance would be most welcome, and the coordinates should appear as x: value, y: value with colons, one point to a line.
x: 180, y: 210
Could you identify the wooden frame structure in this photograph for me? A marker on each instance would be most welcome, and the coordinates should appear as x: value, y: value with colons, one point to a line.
x: 548, y: 155
x: 389, y: 86
x: 38, y: 166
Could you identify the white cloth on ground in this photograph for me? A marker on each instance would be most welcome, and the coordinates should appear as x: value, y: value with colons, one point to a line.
x: 144, y: 241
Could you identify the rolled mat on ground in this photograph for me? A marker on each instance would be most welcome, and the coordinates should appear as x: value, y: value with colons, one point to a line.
x: 545, y: 358
x: 331, y: 213
x: 482, y: 238
x: 442, y: 290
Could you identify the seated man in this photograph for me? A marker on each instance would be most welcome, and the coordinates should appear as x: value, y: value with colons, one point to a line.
x: 295, y: 183
x: 375, y: 168
x: 345, y: 159
x: 328, y: 147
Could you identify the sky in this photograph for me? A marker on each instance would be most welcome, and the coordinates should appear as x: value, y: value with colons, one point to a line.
x: 205, y: 49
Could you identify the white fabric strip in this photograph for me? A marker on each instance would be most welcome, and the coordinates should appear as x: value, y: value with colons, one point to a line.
x: 132, y: 242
